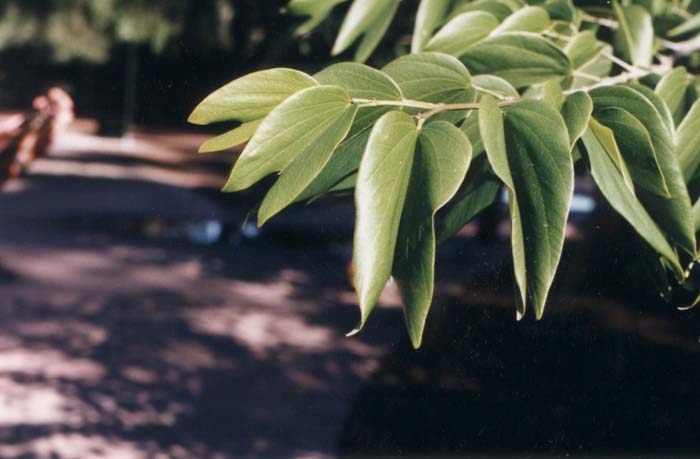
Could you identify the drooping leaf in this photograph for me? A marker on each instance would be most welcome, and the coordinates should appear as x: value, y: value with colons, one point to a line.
x: 606, y: 138
x: 359, y: 19
x: 316, y: 10
x: 302, y: 120
x: 671, y: 89
x: 430, y: 77
x: 429, y: 16
x: 532, y: 158
x: 526, y: 19
x: 521, y: 58
x: 688, y: 143
x: 375, y: 32
x: 576, y: 111
x: 440, y: 164
x: 637, y: 149
x: 616, y: 192
x: 672, y: 215
x: 311, y: 159
x: 250, y: 97
x: 380, y: 195
x: 495, y: 86
x: 232, y: 138
x: 461, y: 32
x: 478, y: 191
x: 634, y: 38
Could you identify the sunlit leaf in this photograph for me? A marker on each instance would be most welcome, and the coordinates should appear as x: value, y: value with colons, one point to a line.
x: 429, y: 16
x: 232, y: 138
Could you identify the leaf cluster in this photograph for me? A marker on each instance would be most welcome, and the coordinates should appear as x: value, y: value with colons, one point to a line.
x: 494, y: 94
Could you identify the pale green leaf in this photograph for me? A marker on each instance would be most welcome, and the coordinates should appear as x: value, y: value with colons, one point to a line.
x: 552, y: 94
x: 442, y: 157
x: 576, y: 111
x: 430, y: 77
x: 429, y: 16
x: 616, y: 192
x: 380, y: 195
x: 232, y: 138
x: 527, y: 19
x: 317, y: 10
x: 521, y: 58
x: 606, y: 138
x: 250, y: 97
x: 375, y: 32
x: 495, y: 86
x: 288, y: 131
x: 311, y: 159
x: 360, y: 81
x: 634, y: 38
x: 461, y: 32
x: 563, y: 10
x: 495, y: 7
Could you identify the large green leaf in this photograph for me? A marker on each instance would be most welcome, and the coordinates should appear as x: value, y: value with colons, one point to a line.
x: 478, y: 191
x: 232, y: 138
x: 671, y: 214
x: 429, y: 16
x: 671, y: 89
x: 530, y: 153
x: 380, y: 195
x: 521, y: 58
x: 634, y: 38
x: 311, y: 159
x: 527, y: 19
x: 440, y: 163
x: 461, y: 32
x: 291, y: 129
x: 616, y: 192
x: 250, y: 97
x: 688, y: 143
x: 430, y: 77
x: 576, y: 111
x: 360, y: 18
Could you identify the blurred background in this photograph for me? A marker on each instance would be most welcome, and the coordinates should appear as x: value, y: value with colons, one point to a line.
x: 142, y: 316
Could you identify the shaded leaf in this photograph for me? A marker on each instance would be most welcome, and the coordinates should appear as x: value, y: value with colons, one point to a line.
x: 583, y: 49
x: 375, y: 32
x: 671, y: 89
x: 692, y: 24
x: 576, y: 111
x: 688, y: 143
x: 360, y: 18
x: 232, y: 138
x: 634, y: 38
x: 317, y: 10
x: 429, y: 16
x: 606, y: 138
x: 441, y: 161
x: 520, y: 58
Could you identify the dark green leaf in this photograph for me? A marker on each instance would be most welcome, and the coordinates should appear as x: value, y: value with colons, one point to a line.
x: 576, y: 111
x: 688, y: 143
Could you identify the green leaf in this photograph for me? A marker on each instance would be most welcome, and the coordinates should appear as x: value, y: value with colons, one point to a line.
x: 560, y: 9
x: 613, y: 187
x: 478, y: 191
x: 696, y: 215
x: 658, y: 104
x: 692, y: 24
x: 317, y: 10
x: 495, y: 7
x: 552, y: 94
x: 232, y: 138
x: 671, y: 89
x: 311, y: 159
x: 576, y: 111
x: 521, y: 58
x: 688, y: 143
x: 441, y: 161
x: 360, y: 81
x: 606, y: 138
x: 361, y: 17
x: 528, y: 19
x: 430, y: 77
x: 429, y: 16
x: 529, y: 150
x: 583, y: 49
x: 380, y: 194
x: 460, y: 33
x: 495, y: 86
x: 672, y: 215
x: 250, y: 97
x: 591, y: 73
x: 375, y: 32
x: 636, y: 148
x: 470, y: 126
x: 634, y: 38
x: 288, y: 131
